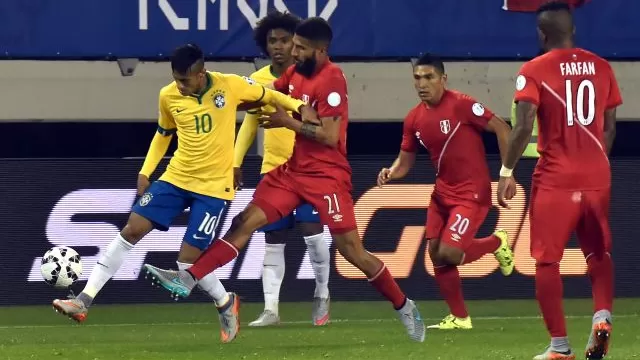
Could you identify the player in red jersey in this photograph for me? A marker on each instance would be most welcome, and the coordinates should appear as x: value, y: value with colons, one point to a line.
x: 575, y: 94
x: 449, y: 125
x: 318, y: 173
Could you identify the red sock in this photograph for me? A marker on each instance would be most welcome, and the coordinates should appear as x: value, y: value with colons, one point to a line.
x: 600, y: 270
x: 549, y: 295
x: 388, y: 287
x: 217, y: 255
x: 481, y: 247
x: 448, y: 279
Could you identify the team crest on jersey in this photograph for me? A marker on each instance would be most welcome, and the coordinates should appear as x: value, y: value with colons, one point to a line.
x: 445, y: 126
x: 218, y: 99
x: 145, y: 199
x: 305, y: 98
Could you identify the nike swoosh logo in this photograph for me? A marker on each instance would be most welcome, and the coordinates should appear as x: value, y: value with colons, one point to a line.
x: 200, y: 238
x: 314, y: 212
x: 180, y: 110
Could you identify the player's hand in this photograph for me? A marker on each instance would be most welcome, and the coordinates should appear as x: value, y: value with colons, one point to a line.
x: 237, y: 178
x: 276, y: 119
x: 506, y: 190
x: 308, y: 114
x: 143, y: 184
x: 384, y: 176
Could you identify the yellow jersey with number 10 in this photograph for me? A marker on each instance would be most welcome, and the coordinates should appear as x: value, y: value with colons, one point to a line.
x: 205, y: 125
x: 278, y: 142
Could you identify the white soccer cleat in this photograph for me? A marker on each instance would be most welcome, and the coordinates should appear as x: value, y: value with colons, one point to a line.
x: 72, y: 307
x: 410, y: 317
x: 320, y: 313
x: 267, y: 318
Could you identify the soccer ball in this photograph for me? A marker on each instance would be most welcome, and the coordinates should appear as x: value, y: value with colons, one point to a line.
x: 61, y: 266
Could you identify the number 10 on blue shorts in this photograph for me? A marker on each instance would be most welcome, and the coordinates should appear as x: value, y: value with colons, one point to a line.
x: 163, y: 202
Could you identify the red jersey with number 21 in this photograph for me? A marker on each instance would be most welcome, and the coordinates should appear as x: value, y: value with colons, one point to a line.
x: 452, y: 133
x: 572, y: 89
x: 326, y: 92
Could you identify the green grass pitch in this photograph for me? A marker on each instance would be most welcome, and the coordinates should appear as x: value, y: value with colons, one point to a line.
x: 360, y: 330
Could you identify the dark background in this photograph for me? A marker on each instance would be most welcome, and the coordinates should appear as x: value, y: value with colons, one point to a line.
x: 132, y: 139
x: 29, y: 188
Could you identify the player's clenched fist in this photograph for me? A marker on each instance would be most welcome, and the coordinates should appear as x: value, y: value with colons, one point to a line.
x: 384, y: 176
x: 506, y: 190
x: 143, y: 184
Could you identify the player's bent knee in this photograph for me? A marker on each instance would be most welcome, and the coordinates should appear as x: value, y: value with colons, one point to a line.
x: 310, y: 229
x: 276, y: 237
x: 249, y: 220
x: 449, y: 255
x: 137, y: 227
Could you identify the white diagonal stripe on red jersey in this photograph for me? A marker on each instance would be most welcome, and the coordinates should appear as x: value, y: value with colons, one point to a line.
x: 444, y: 148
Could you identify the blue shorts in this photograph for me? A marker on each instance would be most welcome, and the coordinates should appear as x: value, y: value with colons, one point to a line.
x: 163, y: 202
x: 303, y: 213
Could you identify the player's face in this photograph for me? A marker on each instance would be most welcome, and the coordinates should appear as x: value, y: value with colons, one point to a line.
x: 429, y: 83
x: 280, y: 46
x: 305, y: 54
x: 189, y: 83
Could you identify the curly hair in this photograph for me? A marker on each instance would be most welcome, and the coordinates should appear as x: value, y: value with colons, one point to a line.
x: 274, y: 20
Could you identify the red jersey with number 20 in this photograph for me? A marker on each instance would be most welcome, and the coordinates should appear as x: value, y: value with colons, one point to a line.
x: 326, y: 92
x: 572, y: 89
x: 452, y: 133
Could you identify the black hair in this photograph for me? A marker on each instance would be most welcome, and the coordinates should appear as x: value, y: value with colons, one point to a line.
x: 185, y: 56
x: 554, y: 6
x: 274, y: 20
x: 431, y: 60
x: 555, y: 20
x: 315, y: 29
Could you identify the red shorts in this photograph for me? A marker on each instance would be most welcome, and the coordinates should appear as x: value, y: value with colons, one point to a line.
x: 455, y: 222
x: 555, y: 214
x: 281, y: 190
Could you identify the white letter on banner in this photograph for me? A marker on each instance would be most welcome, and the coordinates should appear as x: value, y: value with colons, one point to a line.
x: 143, y: 15
x: 312, y: 8
x: 250, y: 15
x: 224, y: 14
x: 177, y: 22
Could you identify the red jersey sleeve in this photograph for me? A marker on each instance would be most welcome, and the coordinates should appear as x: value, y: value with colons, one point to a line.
x: 332, y: 95
x: 527, y: 85
x: 409, y: 142
x: 615, y: 98
x: 473, y: 112
x: 282, y: 83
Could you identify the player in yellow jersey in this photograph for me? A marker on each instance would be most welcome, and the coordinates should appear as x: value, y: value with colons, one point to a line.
x: 200, y: 107
x: 273, y: 35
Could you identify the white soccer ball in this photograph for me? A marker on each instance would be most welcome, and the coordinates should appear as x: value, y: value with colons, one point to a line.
x: 61, y: 266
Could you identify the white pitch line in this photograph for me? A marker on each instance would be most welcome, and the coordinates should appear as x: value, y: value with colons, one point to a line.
x: 354, y: 321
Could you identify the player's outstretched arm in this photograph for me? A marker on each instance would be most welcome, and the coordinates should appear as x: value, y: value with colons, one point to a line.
x: 162, y: 138
x: 246, y: 137
x: 157, y: 149
x: 324, y: 130
x: 400, y: 168
x: 499, y: 127
x: 521, y: 133
x: 252, y: 95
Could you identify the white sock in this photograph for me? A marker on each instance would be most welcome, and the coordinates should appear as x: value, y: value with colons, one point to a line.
x: 107, y: 266
x: 272, y: 275
x: 211, y: 285
x: 320, y: 258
